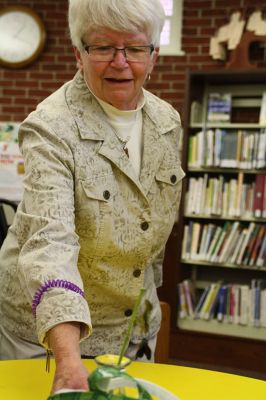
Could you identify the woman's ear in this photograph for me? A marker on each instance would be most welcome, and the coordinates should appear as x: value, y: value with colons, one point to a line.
x: 155, y: 55
x: 154, y: 58
x: 78, y: 58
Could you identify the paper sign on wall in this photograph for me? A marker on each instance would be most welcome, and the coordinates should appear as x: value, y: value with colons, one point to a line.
x: 11, y: 163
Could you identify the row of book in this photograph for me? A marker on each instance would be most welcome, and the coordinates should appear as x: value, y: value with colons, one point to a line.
x: 227, y: 149
x: 231, y: 243
x: 231, y: 303
x: 219, y: 107
x: 227, y: 198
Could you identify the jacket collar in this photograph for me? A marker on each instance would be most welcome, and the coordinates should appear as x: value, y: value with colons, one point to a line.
x: 91, y: 119
x: 93, y: 125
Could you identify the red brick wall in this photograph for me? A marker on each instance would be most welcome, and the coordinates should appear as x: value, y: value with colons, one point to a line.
x: 22, y: 89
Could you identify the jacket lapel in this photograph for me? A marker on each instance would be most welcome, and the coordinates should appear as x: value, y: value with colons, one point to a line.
x: 93, y: 125
x: 156, y: 124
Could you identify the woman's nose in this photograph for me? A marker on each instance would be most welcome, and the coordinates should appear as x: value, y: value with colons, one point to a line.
x: 120, y: 57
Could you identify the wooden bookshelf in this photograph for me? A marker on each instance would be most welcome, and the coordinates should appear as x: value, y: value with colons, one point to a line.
x: 210, y: 342
x: 217, y: 328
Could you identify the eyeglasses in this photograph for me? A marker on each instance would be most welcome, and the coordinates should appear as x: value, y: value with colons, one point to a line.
x: 131, y: 53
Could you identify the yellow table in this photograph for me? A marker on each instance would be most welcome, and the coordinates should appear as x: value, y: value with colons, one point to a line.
x: 27, y: 380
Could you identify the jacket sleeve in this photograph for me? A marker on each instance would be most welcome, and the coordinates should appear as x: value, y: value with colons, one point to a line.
x: 49, y: 246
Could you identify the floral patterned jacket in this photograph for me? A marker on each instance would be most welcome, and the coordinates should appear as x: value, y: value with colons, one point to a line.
x: 86, y: 218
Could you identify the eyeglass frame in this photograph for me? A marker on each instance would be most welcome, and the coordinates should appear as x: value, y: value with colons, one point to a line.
x: 116, y: 49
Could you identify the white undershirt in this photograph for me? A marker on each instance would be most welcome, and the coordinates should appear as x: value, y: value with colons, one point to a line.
x: 127, y: 124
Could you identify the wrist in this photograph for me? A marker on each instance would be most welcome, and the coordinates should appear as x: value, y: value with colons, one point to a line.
x: 63, y: 340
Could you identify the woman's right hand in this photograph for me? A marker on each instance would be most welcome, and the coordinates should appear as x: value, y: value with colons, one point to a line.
x: 70, y: 374
x: 70, y: 371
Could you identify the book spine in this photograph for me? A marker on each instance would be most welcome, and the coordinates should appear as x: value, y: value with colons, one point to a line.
x: 222, y: 303
x: 183, y: 311
x: 258, y: 195
x: 189, y: 297
x: 201, y: 301
x: 244, y: 307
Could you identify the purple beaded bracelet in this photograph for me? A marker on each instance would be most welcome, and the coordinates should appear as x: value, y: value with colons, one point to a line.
x: 55, y: 283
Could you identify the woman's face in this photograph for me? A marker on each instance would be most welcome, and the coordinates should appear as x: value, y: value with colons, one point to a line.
x: 118, y: 82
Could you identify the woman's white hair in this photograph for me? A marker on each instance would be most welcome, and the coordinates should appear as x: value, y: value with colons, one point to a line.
x: 85, y: 16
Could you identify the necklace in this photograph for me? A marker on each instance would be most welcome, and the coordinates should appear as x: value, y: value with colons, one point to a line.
x: 123, y: 141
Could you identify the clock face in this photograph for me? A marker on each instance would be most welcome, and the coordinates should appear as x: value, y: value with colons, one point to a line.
x: 21, y: 36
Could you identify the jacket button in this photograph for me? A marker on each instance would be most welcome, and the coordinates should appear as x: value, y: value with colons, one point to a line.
x: 173, y: 179
x: 136, y: 273
x: 128, y: 312
x: 144, y: 225
x: 106, y: 194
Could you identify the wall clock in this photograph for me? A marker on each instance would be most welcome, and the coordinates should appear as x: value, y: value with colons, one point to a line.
x: 22, y: 36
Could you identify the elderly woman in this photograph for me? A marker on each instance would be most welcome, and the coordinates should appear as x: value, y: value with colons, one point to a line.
x: 101, y: 191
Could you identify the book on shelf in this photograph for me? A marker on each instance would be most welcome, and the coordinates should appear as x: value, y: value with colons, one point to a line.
x: 216, y: 203
x: 219, y: 107
x: 205, y: 312
x: 260, y: 181
x: 264, y: 198
x: 232, y: 197
x: 262, y: 117
x: 237, y: 303
x: 196, y: 150
x: 245, y: 304
x: 200, y: 302
x: 229, y: 242
x: 239, y: 192
x: 231, y: 303
x: 263, y: 308
x: 249, y: 199
x: 224, y: 240
x: 219, y: 204
x: 218, y: 245
x: 256, y: 306
x: 261, y: 259
x: 229, y: 254
x: 196, y: 231
x: 189, y: 296
x: 218, y: 134
x: 186, y: 297
x: 250, y: 228
x: 202, y: 241
x: 209, y: 236
x: 214, y: 308
x: 203, y: 194
x: 197, y: 194
x: 200, y: 148
x: 250, y: 245
x: 186, y: 244
x: 183, y: 309
x: 233, y: 243
x: 185, y: 253
x: 213, y: 244
x: 261, y: 153
x: 190, y: 195
x: 222, y: 303
x: 229, y: 148
x: 257, y: 246
x: 209, y: 148
x: 209, y: 196
x: 195, y: 112
x: 238, y: 247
